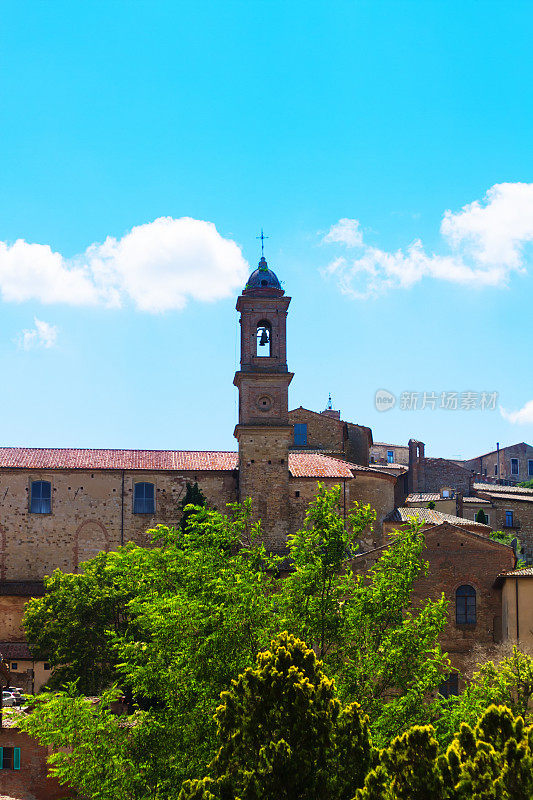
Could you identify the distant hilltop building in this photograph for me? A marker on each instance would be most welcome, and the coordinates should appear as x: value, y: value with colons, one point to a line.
x: 513, y: 463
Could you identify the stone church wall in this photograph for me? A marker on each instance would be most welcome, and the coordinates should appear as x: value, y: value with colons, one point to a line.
x: 90, y: 512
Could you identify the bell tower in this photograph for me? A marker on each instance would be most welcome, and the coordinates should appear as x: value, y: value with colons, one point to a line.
x: 263, y: 431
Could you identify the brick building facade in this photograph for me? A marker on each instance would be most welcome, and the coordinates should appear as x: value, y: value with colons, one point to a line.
x: 24, y: 772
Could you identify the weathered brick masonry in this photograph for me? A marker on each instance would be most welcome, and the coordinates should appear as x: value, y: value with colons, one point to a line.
x: 457, y: 557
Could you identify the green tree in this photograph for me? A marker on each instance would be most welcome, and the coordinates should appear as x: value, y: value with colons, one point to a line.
x: 170, y: 625
x: 481, y: 517
x: 491, y: 761
x: 283, y: 734
x: 194, y: 498
x: 380, y: 645
x: 508, y: 682
x: 407, y: 770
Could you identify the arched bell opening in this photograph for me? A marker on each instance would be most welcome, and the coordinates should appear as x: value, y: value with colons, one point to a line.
x: 264, y: 338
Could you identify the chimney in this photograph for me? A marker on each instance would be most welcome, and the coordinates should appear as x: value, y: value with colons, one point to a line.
x: 459, y: 510
x: 421, y: 467
x: 413, y: 466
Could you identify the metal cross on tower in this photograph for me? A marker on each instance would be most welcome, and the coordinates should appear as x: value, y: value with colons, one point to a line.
x: 262, y: 237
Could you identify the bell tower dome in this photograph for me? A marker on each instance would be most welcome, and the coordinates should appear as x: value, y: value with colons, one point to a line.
x: 263, y: 431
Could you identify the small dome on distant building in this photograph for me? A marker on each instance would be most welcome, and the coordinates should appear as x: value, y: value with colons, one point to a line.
x: 263, y: 281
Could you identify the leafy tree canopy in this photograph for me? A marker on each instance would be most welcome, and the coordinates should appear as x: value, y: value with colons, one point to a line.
x: 491, y: 761
x: 283, y: 734
x: 171, y: 625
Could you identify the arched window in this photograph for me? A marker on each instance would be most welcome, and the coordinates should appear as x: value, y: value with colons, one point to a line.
x: 41, y: 497
x: 465, y: 605
x: 143, y: 498
x: 264, y: 338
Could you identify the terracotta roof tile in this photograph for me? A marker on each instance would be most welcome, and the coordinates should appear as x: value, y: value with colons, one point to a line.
x: 425, y: 497
x: 15, y: 650
x: 431, y: 515
x: 312, y: 465
x: 477, y: 501
x: 22, y: 588
x: 526, y: 572
x: 71, y: 458
x: 394, y: 465
x: 301, y: 465
x: 498, y: 488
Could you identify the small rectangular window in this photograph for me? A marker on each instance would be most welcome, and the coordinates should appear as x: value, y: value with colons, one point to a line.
x: 46, y: 666
x: 14, y: 665
x: 495, y: 469
x: 514, y: 466
x: 450, y: 687
x: 144, y: 498
x: 300, y: 434
x: 41, y: 497
x: 390, y: 456
x: 508, y: 519
x: 530, y: 467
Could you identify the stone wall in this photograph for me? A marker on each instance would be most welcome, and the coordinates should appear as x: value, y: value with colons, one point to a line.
x: 323, y: 432
x: 264, y: 476
x: 91, y: 511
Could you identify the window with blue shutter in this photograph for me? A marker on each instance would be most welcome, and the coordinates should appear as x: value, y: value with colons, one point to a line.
x: 41, y: 497
x: 144, y: 498
x: 300, y: 434
x: 508, y: 519
x: 9, y: 757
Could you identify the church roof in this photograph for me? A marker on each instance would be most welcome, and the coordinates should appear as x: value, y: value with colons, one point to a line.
x: 301, y: 465
x: 263, y: 281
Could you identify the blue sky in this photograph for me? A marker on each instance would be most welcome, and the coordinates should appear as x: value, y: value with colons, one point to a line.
x: 410, y: 121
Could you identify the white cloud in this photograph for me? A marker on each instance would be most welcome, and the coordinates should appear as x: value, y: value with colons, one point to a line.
x: 43, y: 335
x: 157, y: 266
x: 485, y: 241
x: 524, y: 416
x: 346, y: 231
